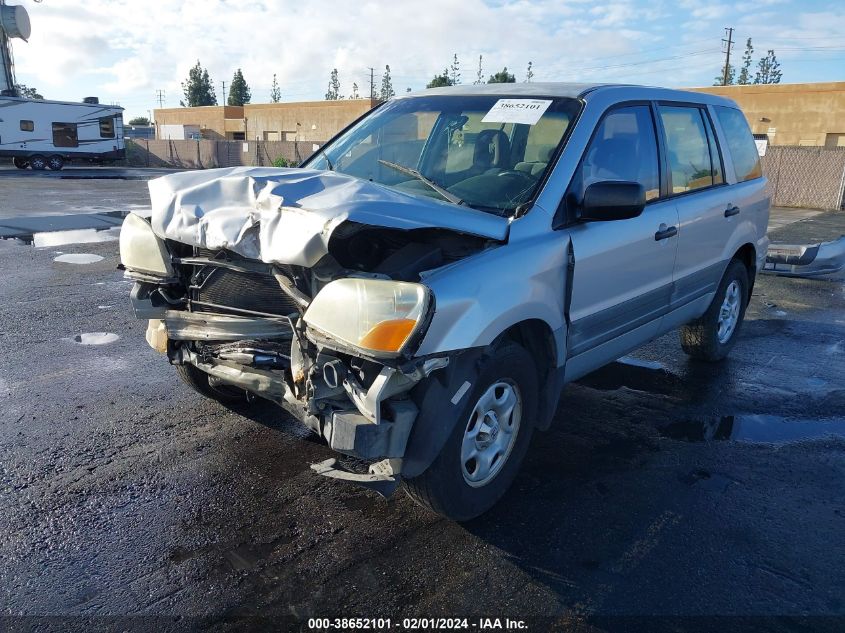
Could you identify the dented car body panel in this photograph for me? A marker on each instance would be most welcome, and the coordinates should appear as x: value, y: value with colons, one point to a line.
x: 367, y: 291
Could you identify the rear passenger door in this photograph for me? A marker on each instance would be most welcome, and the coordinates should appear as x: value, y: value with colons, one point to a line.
x: 696, y: 184
x: 622, y: 274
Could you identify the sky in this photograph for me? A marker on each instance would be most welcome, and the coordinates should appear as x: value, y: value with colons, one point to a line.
x: 124, y: 51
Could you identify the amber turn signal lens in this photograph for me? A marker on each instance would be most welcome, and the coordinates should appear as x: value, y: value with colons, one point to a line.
x: 388, y: 336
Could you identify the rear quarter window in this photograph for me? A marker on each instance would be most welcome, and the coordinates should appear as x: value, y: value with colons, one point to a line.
x: 740, y: 143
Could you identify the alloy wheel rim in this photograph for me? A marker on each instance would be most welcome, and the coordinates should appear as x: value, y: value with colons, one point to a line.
x: 490, y: 433
x: 729, y: 312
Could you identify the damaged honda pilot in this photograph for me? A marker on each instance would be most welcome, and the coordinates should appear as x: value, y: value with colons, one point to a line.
x: 419, y: 291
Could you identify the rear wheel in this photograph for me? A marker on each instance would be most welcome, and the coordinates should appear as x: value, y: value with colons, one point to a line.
x: 480, y: 459
x: 712, y: 336
x: 20, y: 163
x: 38, y: 162
x: 55, y: 162
x: 198, y: 381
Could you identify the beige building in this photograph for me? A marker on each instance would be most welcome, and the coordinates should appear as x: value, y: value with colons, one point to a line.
x: 811, y: 114
x: 303, y: 121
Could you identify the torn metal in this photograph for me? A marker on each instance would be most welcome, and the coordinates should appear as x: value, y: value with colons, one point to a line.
x: 287, y: 216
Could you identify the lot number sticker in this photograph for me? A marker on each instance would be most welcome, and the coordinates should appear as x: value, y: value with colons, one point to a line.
x: 526, y: 111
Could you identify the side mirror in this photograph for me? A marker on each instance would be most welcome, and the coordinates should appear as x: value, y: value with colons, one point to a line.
x: 612, y: 200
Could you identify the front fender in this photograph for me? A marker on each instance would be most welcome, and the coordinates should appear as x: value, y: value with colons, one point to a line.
x: 482, y: 296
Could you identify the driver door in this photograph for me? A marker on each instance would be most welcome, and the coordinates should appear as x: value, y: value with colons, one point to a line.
x: 623, y: 269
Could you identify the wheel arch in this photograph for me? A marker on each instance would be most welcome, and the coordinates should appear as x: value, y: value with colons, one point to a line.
x: 747, y: 254
x: 538, y: 338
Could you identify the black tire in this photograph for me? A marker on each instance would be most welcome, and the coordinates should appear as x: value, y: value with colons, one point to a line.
x: 700, y: 338
x: 443, y: 487
x: 55, y: 162
x: 38, y: 162
x: 20, y: 163
x: 198, y: 381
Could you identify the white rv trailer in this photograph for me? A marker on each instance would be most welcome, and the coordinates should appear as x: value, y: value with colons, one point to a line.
x: 47, y: 134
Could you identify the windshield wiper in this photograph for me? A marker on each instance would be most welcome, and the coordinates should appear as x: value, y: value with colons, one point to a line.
x: 328, y: 160
x: 414, y: 173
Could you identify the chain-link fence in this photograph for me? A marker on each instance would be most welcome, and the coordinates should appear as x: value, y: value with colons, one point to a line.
x: 206, y: 154
x: 809, y: 177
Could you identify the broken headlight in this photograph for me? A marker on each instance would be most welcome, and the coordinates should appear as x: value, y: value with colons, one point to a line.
x: 374, y: 315
x: 141, y: 250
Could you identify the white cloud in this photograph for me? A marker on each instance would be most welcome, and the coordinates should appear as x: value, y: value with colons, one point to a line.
x: 124, y: 50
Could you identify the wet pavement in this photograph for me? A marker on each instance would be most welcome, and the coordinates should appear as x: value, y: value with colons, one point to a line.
x: 665, y: 487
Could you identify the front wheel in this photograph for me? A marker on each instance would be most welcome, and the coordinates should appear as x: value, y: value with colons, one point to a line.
x: 482, y: 455
x: 20, y: 163
x: 712, y: 336
x: 198, y: 381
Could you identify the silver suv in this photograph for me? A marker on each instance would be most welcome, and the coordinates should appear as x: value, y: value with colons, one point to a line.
x: 421, y: 289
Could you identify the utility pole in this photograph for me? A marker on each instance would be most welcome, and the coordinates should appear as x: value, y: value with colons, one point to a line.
x: 160, y: 97
x: 728, y: 42
x: 372, y: 83
x: 224, y: 92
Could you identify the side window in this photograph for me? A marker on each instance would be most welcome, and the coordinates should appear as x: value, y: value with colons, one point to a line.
x: 687, y: 148
x: 746, y: 160
x: 107, y: 127
x: 27, y: 126
x: 624, y: 148
x: 65, y: 135
x: 715, y: 156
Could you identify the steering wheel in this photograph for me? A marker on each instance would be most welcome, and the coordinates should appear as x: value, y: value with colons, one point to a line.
x: 525, y: 177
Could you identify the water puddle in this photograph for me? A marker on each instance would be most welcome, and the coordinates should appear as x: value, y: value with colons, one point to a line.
x: 95, y: 338
x: 757, y: 429
x: 77, y: 236
x: 78, y: 258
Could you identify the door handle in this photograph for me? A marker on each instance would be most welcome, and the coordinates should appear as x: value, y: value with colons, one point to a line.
x: 665, y: 232
x: 731, y: 210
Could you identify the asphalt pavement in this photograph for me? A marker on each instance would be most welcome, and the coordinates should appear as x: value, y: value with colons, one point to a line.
x: 668, y: 495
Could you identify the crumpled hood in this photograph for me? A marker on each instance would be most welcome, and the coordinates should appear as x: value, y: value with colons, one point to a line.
x: 287, y: 216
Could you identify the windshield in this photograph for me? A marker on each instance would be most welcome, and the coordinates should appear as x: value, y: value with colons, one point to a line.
x: 489, y: 152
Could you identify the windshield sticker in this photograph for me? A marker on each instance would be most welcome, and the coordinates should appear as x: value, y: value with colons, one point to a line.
x: 517, y: 111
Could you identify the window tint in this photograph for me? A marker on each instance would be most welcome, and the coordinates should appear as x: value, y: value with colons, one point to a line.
x: 746, y: 160
x: 107, y: 127
x: 687, y: 148
x: 624, y: 148
x: 27, y: 126
x: 65, y: 135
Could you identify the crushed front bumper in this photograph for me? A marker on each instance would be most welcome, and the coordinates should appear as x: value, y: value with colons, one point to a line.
x: 321, y: 390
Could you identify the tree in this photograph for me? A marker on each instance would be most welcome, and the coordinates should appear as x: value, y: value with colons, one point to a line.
x: 333, y: 92
x: 27, y: 92
x: 502, y: 77
x: 745, y: 72
x: 529, y: 74
x: 355, y: 94
x: 386, y: 85
x: 239, y: 93
x: 275, y: 93
x: 479, y: 78
x: 720, y: 78
x: 198, y: 88
x: 768, y: 69
x: 455, y: 71
x: 139, y: 120
x: 440, y: 80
